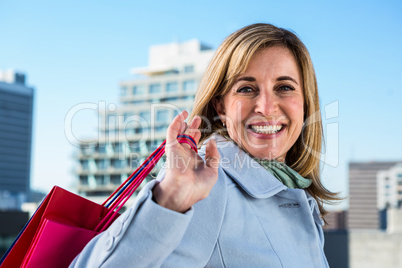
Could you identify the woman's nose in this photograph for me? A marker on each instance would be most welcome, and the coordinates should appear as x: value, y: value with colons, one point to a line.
x: 266, y: 104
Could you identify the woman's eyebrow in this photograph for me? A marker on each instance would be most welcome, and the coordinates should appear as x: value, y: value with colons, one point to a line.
x: 284, y: 78
x: 246, y: 78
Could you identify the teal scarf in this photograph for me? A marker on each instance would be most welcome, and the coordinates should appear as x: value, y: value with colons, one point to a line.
x: 281, y: 171
x: 285, y: 174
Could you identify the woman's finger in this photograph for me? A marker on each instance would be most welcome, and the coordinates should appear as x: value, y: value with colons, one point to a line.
x: 192, y: 129
x: 212, y: 156
x: 175, y: 128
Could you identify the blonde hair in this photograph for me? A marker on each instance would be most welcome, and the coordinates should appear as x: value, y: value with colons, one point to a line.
x: 230, y: 60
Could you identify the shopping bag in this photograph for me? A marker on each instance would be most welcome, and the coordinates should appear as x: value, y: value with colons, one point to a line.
x: 65, y: 222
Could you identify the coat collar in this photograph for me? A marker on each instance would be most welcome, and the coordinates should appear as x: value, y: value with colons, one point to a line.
x: 245, y: 171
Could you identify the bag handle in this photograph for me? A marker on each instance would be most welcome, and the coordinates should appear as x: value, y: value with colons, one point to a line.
x: 120, y: 196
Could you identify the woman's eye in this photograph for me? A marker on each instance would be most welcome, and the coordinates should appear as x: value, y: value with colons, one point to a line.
x: 245, y: 89
x: 285, y: 88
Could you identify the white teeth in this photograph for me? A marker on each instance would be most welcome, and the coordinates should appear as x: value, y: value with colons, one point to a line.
x: 271, y: 129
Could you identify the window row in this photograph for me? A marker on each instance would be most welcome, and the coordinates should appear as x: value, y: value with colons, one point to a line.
x: 139, y: 147
x: 155, y: 88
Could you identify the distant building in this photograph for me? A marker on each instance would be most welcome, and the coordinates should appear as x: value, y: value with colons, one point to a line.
x: 149, y: 102
x: 336, y: 220
x: 375, y: 248
x: 16, y: 109
x: 389, y: 185
x: 363, y: 194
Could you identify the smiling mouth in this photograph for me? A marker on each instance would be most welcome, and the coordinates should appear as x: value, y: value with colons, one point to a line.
x: 270, y: 129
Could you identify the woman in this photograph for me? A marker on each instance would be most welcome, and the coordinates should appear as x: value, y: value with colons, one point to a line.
x: 252, y: 196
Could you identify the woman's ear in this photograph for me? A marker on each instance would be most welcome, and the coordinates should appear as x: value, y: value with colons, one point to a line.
x: 219, y: 107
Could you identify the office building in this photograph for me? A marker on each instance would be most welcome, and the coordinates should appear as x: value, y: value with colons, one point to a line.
x: 336, y: 220
x: 363, y: 194
x: 129, y: 132
x: 389, y: 185
x: 16, y: 108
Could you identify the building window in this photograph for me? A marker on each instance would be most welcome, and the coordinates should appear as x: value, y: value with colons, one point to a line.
x: 189, y: 85
x: 123, y: 91
x: 117, y: 147
x: 101, y: 148
x: 87, y: 149
x: 127, y: 115
x: 115, y: 179
x: 100, y: 179
x: 146, y: 116
x: 190, y: 97
x: 117, y: 163
x: 189, y: 68
x: 139, y: 90
x: 129, y: 131
x: 171, y: 99
x: 84, y: 164
x: 162, y: 116
x: 100, y: 164
x: 161, y: 130
x: 84, y: 180
x: 172, y: 87
x: 154, y: 88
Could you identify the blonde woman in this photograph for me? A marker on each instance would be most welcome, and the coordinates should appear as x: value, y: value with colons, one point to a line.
x: 252, y: 196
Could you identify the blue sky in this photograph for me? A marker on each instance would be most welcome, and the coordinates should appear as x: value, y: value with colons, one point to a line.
x: 78, y: 51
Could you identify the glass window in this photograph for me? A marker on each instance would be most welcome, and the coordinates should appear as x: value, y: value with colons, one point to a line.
x: 84, y: 180
x: 191, y: 97
x: 146, y: 115
x: 84, y: 164
x: 161, y: 129
x: 162, y: 116
x: 100, y: 179
x: 139, y: 90
x: 189, y: 68
x: 129, y: 131
x: 117, y: 147
x: 171, y: 99
x: 154, y: 88
x: 86, y: 149
x: 118, y: 163
x: 101, y: 148
x: 157, y: 100
x: 172, y: 87
x: 115, y: 179
x: 101, y: 164
x: 127, y: 115
x: 123, y: 91
x: 134, y: 147
x: 189, y: 85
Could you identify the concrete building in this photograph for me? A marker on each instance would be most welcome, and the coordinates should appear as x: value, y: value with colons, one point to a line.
x: 130, y: 132
x: 336, y: 220
x: 375, y: 248
x: 16, y: 109
x: 389, y: 185
x: 363, y: 194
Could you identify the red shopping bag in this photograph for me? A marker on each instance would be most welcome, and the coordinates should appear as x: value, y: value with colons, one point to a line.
x: 63, y: 215
x: 65, y: 222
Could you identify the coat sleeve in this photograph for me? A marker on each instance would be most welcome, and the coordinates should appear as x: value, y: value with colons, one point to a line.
x: 148, y: 235
x: 143, y: 236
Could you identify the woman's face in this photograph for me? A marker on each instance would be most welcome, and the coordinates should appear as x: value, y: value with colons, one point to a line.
x: 263, y: 111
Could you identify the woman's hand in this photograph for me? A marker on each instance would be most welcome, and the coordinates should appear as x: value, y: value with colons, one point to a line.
x: 188, y: 179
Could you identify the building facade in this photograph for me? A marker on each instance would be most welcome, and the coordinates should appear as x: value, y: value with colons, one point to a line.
x: 364, y: 212
x: 129, y: 132
x: 389, y: 185
x: 16, y: 110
